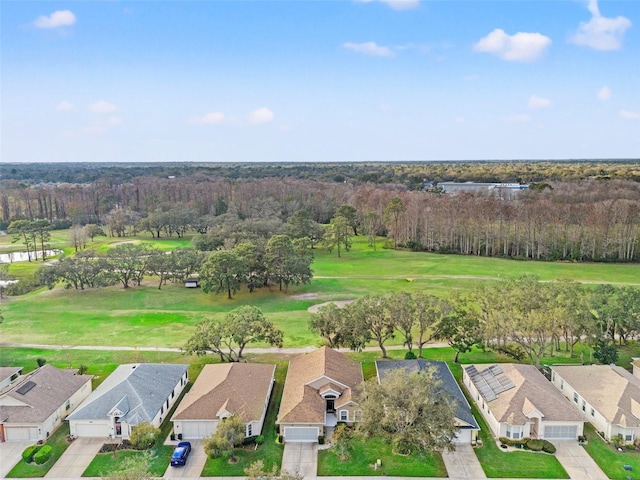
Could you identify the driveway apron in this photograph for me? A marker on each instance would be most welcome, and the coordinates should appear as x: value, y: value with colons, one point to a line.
x: 195, y: 463
x: 463, y: 463
x: 75, y: 460
x: 577, y: 462
x: 10, y: 454
x: 301, y: 458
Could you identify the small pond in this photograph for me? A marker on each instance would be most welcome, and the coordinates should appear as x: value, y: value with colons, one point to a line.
x: 24, y: 256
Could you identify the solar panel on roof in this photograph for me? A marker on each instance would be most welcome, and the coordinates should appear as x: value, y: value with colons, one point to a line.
x: 25, y: 388
x: 490, y: 382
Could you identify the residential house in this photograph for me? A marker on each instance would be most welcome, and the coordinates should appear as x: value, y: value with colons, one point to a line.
x: 223, y: 390
x: 517, y: 401
x: 132, y: 394
x: 8, y: 375
x: 605, y: 395
x: 35, y: 406
x: 465, y: 422
x: 318, y: 392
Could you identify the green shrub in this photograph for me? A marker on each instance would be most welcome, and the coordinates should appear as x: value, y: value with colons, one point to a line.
x: 506, y: 441
x: 548, y: 447
x: 410, y: 356
x: 144, y: 435
x: 259, y: 439
x: 535, y: 444
x: 43, y: 454
x: 29, y: 452
x: 249, y: 440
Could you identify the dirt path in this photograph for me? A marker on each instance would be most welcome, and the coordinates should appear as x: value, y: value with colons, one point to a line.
x: 339, y: 304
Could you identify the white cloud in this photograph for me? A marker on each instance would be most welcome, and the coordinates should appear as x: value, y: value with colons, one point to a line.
x: 601, y: 33
x: 369, y: 48
x: 536, y: 102
x: 604, y: 93
x: 102, y: 107
x: 261, y: 115
x: 60, y: 18
x: 521, y: 47
x: 518, y: 118
x: 64, y: 106
x: 627, y: 115
x: 213, y: 118
x: 397, y: 4
x: 113, y: 121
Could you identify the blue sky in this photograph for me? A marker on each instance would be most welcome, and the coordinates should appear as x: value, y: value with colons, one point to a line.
x: 378, y: 80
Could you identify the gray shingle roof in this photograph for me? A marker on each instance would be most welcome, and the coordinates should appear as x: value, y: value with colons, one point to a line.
x: 137, y: 390
x: 442, y: 373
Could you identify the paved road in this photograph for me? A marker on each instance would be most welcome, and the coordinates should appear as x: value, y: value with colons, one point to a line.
x: 284, y: 351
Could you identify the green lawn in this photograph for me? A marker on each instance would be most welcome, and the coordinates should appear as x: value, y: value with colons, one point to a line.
x: 609, y: 459
x: 58, y: 442
x: 269, y: 452
x: 365, y: 452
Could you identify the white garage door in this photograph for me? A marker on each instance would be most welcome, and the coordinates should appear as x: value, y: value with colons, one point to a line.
x: 17, y: 434
x: 464, y: 436
x: 95, y: 430
x: 568, y: 432
x: 301, y: 434
x: 197, y: 430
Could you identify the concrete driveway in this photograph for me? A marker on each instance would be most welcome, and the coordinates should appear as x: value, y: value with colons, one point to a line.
x: 75, y: 460
x: 10, y: 454
x: 301, y: 458
x: 463, y: 463
x: 195, y: 463
x: 577, y: 462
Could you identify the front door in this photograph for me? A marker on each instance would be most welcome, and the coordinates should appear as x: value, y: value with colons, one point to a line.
x: 118, y: 427
x: 331, y: 407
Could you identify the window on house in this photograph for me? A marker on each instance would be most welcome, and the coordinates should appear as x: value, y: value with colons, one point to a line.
x: 575, y: 397
x: 628, y: 438
x: 68, y: 405
x: 162, y: 409
x: 249, y: 430
x: 561, y: 384
x: 508, y: 431
x: 584, y: 406
x: 344, y: 415
x: 553, y: 376
x: 167, y: 404
x: 593, y: 412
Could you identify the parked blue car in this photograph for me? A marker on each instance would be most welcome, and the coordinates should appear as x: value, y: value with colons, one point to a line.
x: 180, y: 454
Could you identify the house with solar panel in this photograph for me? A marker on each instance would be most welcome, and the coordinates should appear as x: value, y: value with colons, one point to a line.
x: 517, y: 401
x: 36, y: 404
x: 466, y: 424
x: 132, y: 394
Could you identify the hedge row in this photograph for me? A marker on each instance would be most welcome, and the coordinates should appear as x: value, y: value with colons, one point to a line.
x: 533, y: 444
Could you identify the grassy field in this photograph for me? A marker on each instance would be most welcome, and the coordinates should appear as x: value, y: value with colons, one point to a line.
x: 58, y: 442
x: 145, y: 316
x: 609, y: 459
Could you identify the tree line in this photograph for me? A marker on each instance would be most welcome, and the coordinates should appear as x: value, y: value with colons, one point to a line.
x: 520, y: 317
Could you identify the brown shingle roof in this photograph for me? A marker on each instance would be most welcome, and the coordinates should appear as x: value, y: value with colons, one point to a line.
x: 301, y: 402
x: 531, y: 391
x: 616, y: 401
x: 238, y: 388
x: 52, y: 388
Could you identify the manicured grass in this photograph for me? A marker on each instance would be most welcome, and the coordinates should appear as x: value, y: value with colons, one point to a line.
x: 609, y: 459
x: 364, y: 453
x: 499, y: 464
x: 146, y: 316
x: 58, y: 442
x: 269, y: 452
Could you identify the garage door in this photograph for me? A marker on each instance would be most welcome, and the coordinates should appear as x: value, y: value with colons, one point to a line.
x: 301, y: 434
x: 91, y: 430
x: 17, y: 434
x: 464, y: 436
x: 197, y: 430
x: 568, y: 432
